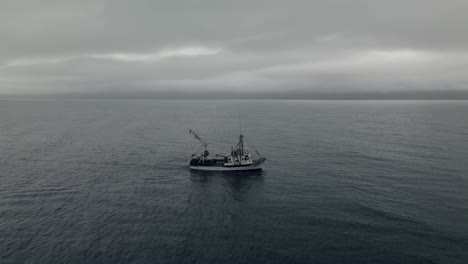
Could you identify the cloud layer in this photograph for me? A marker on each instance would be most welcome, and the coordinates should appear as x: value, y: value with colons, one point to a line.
x: 261, y: 48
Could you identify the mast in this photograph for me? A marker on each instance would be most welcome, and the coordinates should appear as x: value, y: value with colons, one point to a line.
x: 240, y: 149
x: 241, y: 141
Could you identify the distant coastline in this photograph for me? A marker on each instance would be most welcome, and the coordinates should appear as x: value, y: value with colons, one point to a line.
x: 423, y: 95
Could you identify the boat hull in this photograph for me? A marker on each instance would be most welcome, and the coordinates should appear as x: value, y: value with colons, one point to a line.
x: 222, y: 168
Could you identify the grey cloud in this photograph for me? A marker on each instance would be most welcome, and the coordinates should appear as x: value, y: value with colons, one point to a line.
x: 226, y: 47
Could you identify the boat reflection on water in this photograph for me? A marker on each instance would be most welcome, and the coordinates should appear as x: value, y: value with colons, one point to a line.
x: 237, y: 182
x: 219, y: 206
x: 235, y: 177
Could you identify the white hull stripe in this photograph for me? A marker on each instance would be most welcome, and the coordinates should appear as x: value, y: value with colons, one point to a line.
x: 213, y: 168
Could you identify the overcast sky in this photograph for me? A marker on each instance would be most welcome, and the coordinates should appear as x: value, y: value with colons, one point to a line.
x: 234, y: 47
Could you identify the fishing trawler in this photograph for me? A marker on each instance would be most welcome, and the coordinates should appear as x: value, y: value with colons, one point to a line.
x: 238, y: 160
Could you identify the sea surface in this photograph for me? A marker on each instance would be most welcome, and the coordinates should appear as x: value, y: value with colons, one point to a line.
x: 107, y: 181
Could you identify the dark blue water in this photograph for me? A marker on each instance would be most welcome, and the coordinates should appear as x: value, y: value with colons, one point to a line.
x: 106, y: 181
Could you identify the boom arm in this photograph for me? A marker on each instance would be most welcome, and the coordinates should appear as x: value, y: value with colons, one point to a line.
x: 198, y: 137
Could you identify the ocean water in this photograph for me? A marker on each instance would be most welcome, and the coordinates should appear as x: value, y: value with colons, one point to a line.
x: 107, y: 181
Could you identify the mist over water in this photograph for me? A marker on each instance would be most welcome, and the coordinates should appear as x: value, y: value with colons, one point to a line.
x: 107, y: 181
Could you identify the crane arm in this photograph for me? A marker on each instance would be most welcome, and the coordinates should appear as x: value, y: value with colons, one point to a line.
x: 198, y: 137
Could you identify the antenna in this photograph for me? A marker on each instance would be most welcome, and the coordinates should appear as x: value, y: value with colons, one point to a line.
x: 240, y: 125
